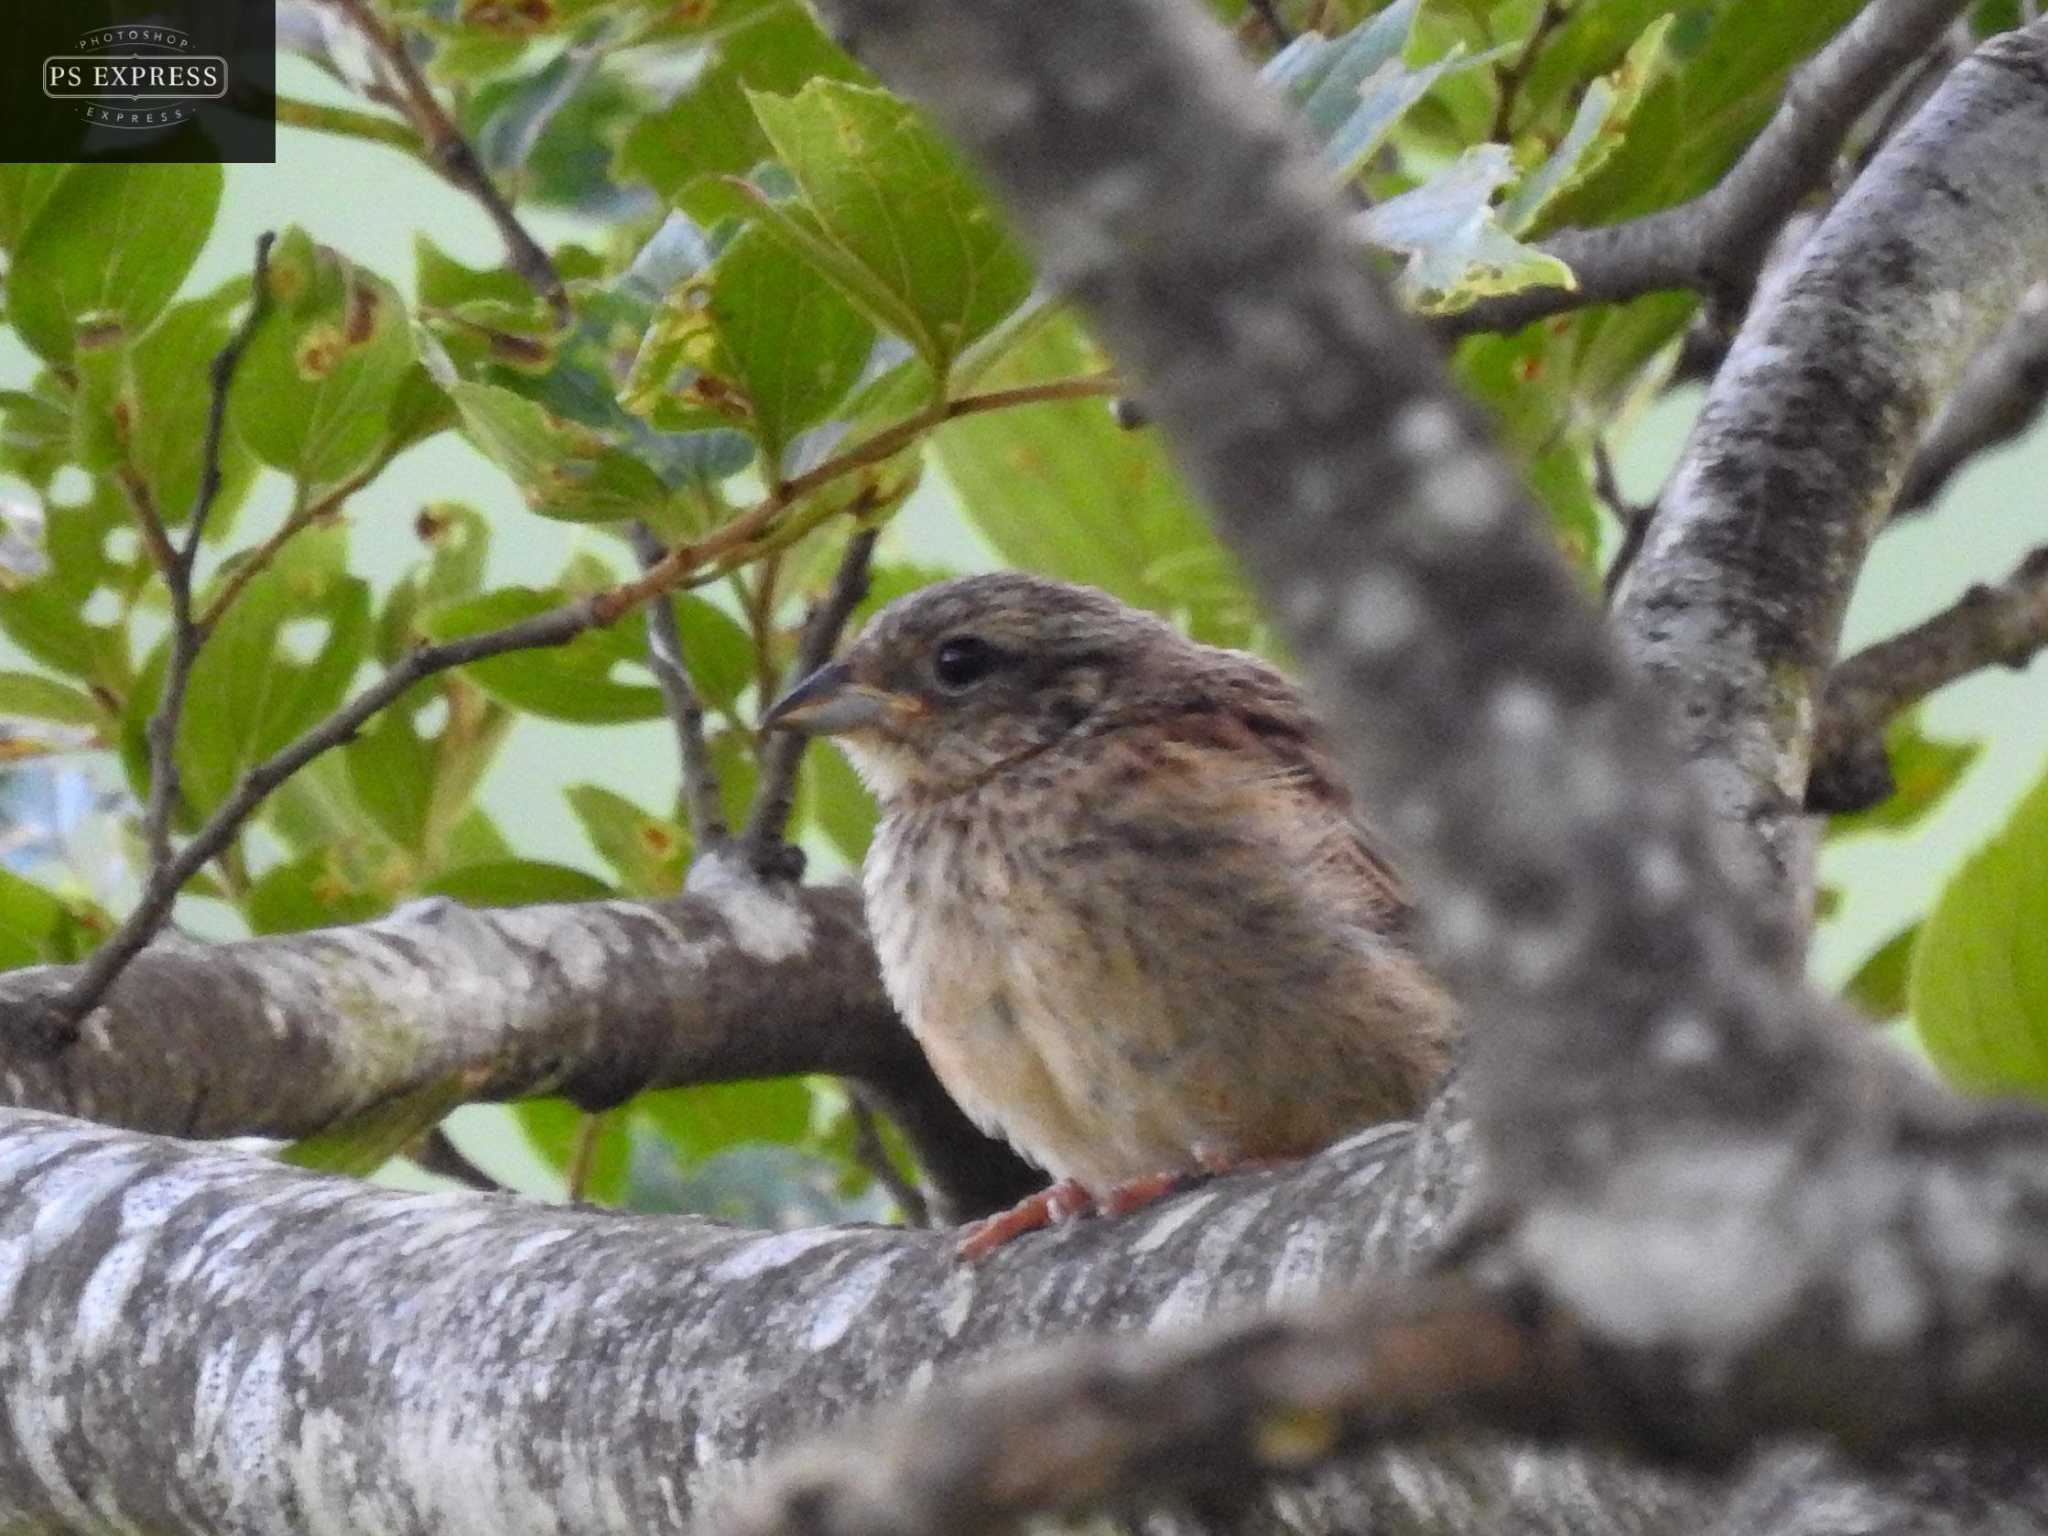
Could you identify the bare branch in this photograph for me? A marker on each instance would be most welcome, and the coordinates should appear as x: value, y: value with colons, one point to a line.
x: 1508, y: 77
x: 1999, y: 398
x: 2005, y: 625
x: 175, y: 566
x: 760, y: 842
x: 1715, y: 243
x: 702, y: 800
x: 452, y: 155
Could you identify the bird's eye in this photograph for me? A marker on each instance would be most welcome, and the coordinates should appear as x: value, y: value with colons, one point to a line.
x: 962, y: 662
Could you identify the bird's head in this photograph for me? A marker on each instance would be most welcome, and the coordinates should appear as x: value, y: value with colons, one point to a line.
x: 953, y: 681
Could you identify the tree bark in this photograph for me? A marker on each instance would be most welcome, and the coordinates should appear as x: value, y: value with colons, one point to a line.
x: 597, y: 1001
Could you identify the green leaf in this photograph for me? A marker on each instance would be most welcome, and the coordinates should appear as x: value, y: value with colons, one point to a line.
x: 1035, y: 479
x: 564, y: 469
x: 24, y: 189
x: 318, y: 889
x: 718, y: 652
x: 316, y: 390
x: 457, y: 538
x: 37, y: 927
x: 1457, y: 251
x: 834, y: 800
x: 894, y: 199
x: 515, y: 883
x: 1597, y: 131
x: 31, y: 696
x: 35, y: 433
x: 45, y: 616
x: 1718, y: 77
x: 702, y: 1120
x: 392, y: 769
x: 552, y: 1127
x: 109, y: 246
x: 1978, y: 987
x: 1563, y: 482
x: 707, y: 130
x: 250, y: 693
x: 1924, y: 769
x: 732, y: 759
x: 1879, y: 986
x: 165, y: 410
x: 648, y: 853
x: 1353, y: 89
x: 1590, y: 41
x: 360, y: 1144
x: 475, y: 839
x: 760, y: 341
x: 572, y: 682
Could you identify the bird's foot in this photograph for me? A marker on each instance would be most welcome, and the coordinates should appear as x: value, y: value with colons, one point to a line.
x: 1055, y: 1203
x: 1069, y: 1200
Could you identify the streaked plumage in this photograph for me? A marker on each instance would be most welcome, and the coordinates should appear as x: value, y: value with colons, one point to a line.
x: 1118, y: 890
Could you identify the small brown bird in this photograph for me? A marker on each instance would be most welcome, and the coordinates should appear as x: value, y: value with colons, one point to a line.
x: 1119, y: 892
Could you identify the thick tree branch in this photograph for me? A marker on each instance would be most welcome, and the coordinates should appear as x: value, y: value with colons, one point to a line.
x: 284, y: 1036
x: 1103, y: 1421
x: 200, y: 1341
x: 1734, y: 607
x: 2005, y: 625
x: 1716, y: 243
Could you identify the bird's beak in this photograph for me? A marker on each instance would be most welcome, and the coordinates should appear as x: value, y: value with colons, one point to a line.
x: 827, y: 702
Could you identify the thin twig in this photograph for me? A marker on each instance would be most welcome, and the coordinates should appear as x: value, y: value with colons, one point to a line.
x: 703, y: 800
x: 175, y: 564
x: 1509, y: 77
x: 2005, y: 625
x: 1634, y: 518
x: 456, y: 160
x: 760, y: 841
x: 705, y: 559
x: 872, y: 1153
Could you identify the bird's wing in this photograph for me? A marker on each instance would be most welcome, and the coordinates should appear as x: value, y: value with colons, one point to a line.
x: 1252, y: 741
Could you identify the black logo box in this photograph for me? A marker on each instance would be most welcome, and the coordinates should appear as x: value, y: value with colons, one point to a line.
x: 124, y: 81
